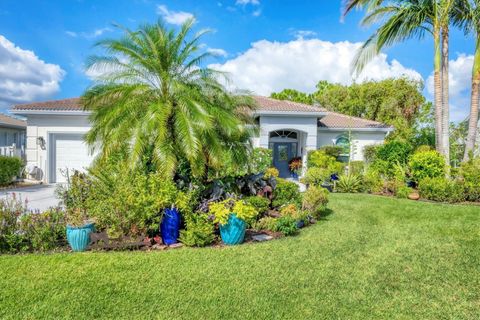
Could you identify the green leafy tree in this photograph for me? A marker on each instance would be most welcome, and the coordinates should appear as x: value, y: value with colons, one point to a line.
x: 155, y: 100
x: 293, y: 95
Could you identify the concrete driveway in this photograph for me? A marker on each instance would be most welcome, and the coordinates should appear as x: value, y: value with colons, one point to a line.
x: 39, y: 197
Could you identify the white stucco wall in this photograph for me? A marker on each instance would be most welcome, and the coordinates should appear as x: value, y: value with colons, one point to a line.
x: 360, y: 140
x: 43, y: 126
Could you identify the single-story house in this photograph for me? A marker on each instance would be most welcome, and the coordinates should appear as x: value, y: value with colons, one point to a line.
x: 12, y: 135
x: 55, y: 133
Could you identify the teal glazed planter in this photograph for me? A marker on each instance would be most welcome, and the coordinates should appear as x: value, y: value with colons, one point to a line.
x: 79, y: 237
x: 234, y: 231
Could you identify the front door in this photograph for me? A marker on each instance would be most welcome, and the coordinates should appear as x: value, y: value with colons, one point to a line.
x: 282, y: 153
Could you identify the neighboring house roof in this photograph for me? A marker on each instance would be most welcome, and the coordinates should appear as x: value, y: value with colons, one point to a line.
x: 266, y: 106
x: 11, y: 122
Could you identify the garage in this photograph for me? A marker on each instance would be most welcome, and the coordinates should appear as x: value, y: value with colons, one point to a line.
x: 68, y: 153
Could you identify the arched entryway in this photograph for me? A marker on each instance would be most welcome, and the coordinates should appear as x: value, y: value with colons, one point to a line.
x: 285, y: 145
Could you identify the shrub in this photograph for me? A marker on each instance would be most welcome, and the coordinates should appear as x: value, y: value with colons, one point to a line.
x: 428, y: 164
x: 372, y: 181
x: 199, y: 232
x: 370, y: 152
x: 423, y: 148
x: 317, y: 176
x: 391, y: 154
x: 315, y: 200
x: 442, y: 190
x: 222, y: 210
x: 332, y: 151
x: 11, y: 240
x: 349, y: 183
x: 44, y: 231
x: 261, y: 160
x: 403, y: 192
x: 286, y: 192
x: 470, y: 173
x: 261, y: 204
x: 320, y: 159
x: 271, y: 172
x: 356, y: 167
x: 265, y: 223
x: 74, y: 196
x: 286, y: 225
x: 10, y: 167
x: 126, y: 202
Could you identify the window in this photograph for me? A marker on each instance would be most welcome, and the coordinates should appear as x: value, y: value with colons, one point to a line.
x: 343, y: 142
x: 283, y: 134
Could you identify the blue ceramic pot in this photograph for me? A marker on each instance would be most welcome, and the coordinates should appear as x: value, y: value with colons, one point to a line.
x: 294, y: 175
x: 233, y: 232
x: 79, y: 237
x: 170, y: 226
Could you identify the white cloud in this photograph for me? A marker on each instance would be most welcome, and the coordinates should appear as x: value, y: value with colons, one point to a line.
x: 302, y: 34
x: 257, y: 13
x: 218, y: 52
x: 88, y: 35
x: 24, y: 77
x: 173, y: 17
x: 299, y: 64
x: 460, y: 77
x: 245, y: 2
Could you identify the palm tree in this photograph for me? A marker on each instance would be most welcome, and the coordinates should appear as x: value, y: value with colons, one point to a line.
x: 467, y: 15
x: 406, y: 19
x: 154, y: 99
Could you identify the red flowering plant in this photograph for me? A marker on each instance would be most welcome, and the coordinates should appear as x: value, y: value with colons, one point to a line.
x: 295, y: 165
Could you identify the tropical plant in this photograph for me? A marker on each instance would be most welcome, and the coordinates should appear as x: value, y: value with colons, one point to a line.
x: 315, y: 200
x: 271, y: 172
x: 265, y: 223
x: 470, y: 173
x: 286, y: 192
x: 406, y: 19
x: 295, y: 165
x: 222, y: 210
x: 155, y: 99
x: 199, y: 232
x: 349, y: 183
x: 262, y: 204
x: 403, y: 192
x: 286, y: 225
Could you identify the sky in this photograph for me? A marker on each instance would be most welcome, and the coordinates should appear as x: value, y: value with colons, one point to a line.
x: 264, y: 45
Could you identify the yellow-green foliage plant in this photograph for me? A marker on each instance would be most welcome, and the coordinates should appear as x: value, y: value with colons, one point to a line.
x: 222, y: 210
x: 271, y: 172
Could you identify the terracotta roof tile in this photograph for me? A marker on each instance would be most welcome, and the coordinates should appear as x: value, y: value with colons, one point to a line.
x: 338, y: 120
x: 8, y: 121
x: 330, y: 120
x: 72, y: 104
x: 270, y: 104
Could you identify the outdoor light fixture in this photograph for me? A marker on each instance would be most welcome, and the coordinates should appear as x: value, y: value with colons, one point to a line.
x: 41, y: 142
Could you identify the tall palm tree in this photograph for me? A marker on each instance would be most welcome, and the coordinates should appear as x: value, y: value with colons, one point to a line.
x: 406, y: 19
x: 154, y: 99
x: 467, y: 15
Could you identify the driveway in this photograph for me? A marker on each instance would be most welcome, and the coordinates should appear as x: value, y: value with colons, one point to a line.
x: 39, y: 197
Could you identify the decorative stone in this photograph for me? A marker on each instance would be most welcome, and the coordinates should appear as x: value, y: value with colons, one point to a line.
x: 414, y: 196
x: 159, y: 247
x: 176, y: 245
x: 261, y: 237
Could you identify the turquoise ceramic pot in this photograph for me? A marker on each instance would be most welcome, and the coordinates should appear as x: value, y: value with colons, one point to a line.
x: 234, y: 231
x: 79, y: 237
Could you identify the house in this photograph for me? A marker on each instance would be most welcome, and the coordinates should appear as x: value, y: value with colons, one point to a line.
x: 12, y: 136
x: 55, y: 133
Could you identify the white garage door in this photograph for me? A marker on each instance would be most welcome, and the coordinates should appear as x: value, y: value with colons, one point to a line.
x: 70, y: 153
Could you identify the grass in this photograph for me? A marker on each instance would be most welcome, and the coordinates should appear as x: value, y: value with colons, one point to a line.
x: 373, y: 258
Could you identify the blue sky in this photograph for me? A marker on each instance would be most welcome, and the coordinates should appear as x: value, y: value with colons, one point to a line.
x: 265, y: 45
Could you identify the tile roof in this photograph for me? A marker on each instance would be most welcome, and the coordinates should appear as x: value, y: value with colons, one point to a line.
x: 338, y: 120
x: 270, y: 104
x: 11, y: 122
x: 330, y: 120
x: 72, y: 104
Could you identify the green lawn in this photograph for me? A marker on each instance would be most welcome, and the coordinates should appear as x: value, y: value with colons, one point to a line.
x: 372, y: 258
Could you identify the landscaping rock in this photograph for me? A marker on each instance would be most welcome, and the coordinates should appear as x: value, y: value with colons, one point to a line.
x: 176, y: 245
x: 414, y: 196
x: 261, y: 237
x: 273, y: 214
x: 159, y: 247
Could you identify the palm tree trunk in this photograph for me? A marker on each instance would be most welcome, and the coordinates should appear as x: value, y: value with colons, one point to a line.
x: 437, y: 87
x: 474, y: 105
x: 445, y: 97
